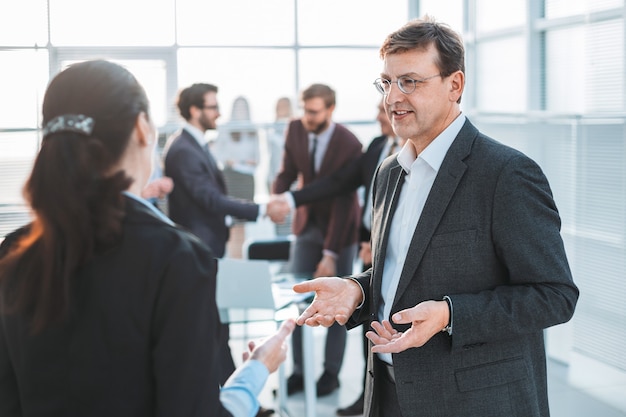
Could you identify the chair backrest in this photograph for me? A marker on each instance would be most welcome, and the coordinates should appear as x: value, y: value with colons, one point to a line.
x: 276, y: 249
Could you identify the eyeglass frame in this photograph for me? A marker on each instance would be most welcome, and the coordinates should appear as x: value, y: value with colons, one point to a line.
x: 378, y: 83
x: 215, y: 107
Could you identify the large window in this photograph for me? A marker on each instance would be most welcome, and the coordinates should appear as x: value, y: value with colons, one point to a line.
x: 550, y: 82
x: 112, y: 23
x: 260, y: 50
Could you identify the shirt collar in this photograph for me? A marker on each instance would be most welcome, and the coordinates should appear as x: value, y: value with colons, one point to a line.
x: 151, y: 207
x: 197, y: 134
x: 436, y: 151
x: 325, y: 135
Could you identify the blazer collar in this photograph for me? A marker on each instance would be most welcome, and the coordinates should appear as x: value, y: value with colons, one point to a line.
x: 140, y: 203
x: 394, y: 182
x: 196, y: 133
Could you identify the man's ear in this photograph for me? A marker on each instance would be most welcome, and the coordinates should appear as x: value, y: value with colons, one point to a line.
x: 194, y: 112
x: 457, y: 84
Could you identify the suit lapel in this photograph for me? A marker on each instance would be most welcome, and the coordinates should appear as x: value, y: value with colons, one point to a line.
x: 450, y: 173
x: 370, y: 165
x: 209, y: 159
x: 394, y: 182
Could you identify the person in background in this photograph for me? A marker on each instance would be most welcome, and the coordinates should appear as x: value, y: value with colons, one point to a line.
x: 276, y: 136
x: 106, y: 307
x: 468, y: 263
x: 236, y: 150
x: 275, y: 144
x: 200, y: 200
x: 354, y: 175
x: 237, y: 144
x: 326, y: 231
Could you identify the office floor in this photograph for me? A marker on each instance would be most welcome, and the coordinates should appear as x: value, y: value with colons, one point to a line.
x: 565, y: 400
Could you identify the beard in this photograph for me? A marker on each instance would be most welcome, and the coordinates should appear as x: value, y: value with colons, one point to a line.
x: 318, y: 128
x: 207, y: 124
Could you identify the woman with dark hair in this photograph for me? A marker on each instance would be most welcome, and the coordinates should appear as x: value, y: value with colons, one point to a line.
x: 106, y: 307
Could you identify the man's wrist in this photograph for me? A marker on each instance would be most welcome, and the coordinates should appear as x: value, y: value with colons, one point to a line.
x: 362, y: 292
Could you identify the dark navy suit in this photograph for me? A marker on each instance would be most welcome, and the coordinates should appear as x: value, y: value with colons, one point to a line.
x: 199, y: 200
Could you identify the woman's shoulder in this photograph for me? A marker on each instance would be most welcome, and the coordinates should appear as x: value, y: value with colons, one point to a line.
x: 143, y: 224
x: 12, y: 238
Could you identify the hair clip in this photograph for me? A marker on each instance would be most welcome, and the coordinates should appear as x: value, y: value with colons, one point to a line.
x: 77, y: 123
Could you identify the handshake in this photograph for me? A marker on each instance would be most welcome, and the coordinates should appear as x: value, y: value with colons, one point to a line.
x: 278, y: 208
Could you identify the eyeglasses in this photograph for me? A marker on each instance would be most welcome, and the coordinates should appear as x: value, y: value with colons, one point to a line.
x: 313, y: 113
x: 405, y: 84
x: 213, y: 107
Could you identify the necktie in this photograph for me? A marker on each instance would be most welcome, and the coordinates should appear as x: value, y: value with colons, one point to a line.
x: 392, y: 148
x: 312, y: 156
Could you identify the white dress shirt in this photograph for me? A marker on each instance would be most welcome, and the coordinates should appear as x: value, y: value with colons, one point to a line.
x: 421, y: 172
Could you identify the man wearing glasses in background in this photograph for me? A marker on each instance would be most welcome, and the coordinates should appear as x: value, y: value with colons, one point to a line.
x: 468, y: 264
x: 349, y: 178
x: 199, y: 200
x: 326, y: 230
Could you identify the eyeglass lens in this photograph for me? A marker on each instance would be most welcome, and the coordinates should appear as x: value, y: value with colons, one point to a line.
x: 405, y: 84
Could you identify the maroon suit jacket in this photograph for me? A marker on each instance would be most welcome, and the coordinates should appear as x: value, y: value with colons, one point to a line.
x: 339, y: 217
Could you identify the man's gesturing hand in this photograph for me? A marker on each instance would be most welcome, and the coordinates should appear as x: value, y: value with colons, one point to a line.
x: 335, y: 301
x: 426, y: 319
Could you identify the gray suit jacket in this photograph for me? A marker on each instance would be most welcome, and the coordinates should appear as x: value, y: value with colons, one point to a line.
x: 489, y: 238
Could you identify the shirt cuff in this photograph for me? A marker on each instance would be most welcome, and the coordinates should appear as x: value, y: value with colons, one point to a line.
x: 448, y: 328
x: 262, y: 211
x: 290, y: 200
x: 330, y: 253
x: 362, y: 292
x: 239, y: 394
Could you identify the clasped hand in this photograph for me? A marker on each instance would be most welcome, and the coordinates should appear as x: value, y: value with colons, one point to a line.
x: 278, y: 208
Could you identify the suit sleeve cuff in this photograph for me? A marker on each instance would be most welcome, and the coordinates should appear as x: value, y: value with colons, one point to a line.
x: 448, y: 328
x: 262, y: 211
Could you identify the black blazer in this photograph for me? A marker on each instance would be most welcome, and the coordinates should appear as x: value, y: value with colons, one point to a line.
x: 141, y: 339
x: 357, y: 173
x: 489, y: 238
x: 199, y: 200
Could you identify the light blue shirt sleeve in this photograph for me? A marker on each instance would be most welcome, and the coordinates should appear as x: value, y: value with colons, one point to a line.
x: 239, y: 394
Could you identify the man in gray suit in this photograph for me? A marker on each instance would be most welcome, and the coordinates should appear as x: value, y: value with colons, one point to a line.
x: 469, y: 266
